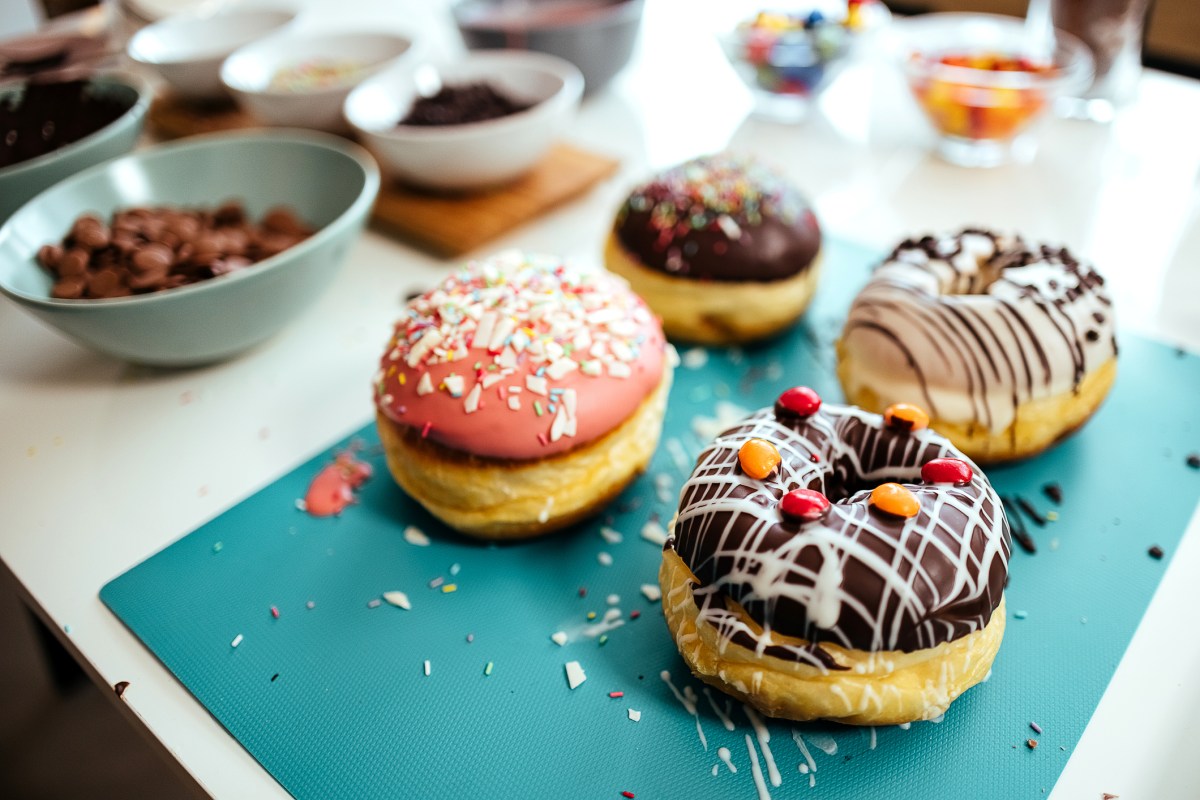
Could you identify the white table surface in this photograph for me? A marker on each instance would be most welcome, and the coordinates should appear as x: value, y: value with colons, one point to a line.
x: 103, y: 463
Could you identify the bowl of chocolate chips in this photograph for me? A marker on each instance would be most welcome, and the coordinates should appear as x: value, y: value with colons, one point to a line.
x: 51, y: 129
x: 189, y: 253
x: 469, y: 125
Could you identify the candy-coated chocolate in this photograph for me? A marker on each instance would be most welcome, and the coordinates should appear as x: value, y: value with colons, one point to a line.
x: 894, y: 499
x: 947, y: 470
x: 804, y: 505
x: 758, y: 458
x: 799, y: 401
x: 905, y: 417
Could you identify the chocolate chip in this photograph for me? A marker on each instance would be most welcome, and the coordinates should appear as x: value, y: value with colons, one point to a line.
x: 1155, y: 552
x: 91, y: 233
x: 1193, y: 461
x: 71, y: 288
x: 154, y: 258
x: 73, y: 263
x: 103, y: 283
x: 49, y: 255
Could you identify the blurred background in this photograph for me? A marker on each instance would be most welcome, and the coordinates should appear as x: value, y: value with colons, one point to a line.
x: 63, y: 737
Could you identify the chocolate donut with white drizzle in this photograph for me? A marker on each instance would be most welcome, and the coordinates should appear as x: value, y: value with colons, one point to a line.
x: 815, y: 566
x: 1010, y: 347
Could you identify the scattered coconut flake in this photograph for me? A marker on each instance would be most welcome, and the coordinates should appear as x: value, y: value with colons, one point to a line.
x: 634, y: 715
x: 426, y: 668
x: 471, y: 404
x: 454, y: 568
x: 415, y: 536
x: 654, y: 533
x: 613, y: 599
x: 398, y: 599
x: 662, y: 487
x: 537, y: 384
x: 425, y: 385
x: 610, y: 535
x: 575, y: 674
x: 605, y: 559
x: 652, y: 592
x: 559, y: 638
x: 454, y: 384
x: 695, y: 358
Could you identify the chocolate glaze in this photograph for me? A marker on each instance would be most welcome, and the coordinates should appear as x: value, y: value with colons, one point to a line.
x: 890, y: 583
x: 721, y: 219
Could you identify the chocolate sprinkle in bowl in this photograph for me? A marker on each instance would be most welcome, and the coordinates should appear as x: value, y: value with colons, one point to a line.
x: 199, y: 249
x: 469, y: 151
x: 51, y: 130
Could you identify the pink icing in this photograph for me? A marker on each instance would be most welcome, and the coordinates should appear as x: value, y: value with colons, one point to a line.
x: 333, y: 487
x: 576, y: 344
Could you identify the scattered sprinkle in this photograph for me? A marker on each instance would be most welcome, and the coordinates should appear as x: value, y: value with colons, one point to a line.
x: 415, y: 536
x: 1020, y: 614
x: 310, y: 605
x: 575, y: 674
x: 635, y: 716
x: 398, y: 599
x: 236, y: 640
x: 450, y: 588
x: 652, y: 592
x: 603, y: 640
x: 454, y: 569
x: 470, y: 638
x: 583, y: 591
x: 66, y: 628
x: 487, y: 671
x: 634, y: 614
x: 559, y: 638
x: 427, y: 668
x: 1031, y: 744
x: 274, y: 677
x: 611, y: 536
x: 274, y: 612
x: 1036, y: 728
x: 615, y: 695
x: 218, y: 546
x: 591, y: 615
x: 374, y: 602
x: 1054, y: 492
x: 604, y: 558
x: 654, y: 533
x: 436, y: 582
x: 1052, y: 516
x: 626, y: 794
x: 1155, y: 552
x: 119, y: 687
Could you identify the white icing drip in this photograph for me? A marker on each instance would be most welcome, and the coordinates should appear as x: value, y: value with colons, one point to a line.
x: 756, y: 771
x: 809, y: 766
x: 724, y: 754
x: 764, y: 741
x: 726, y: 720
x: 687, y: 699
x: 758, y: 574
x: 973, y: 331
x: 823, y: 742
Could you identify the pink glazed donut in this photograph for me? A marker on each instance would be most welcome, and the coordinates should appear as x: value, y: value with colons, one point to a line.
x: 521, y: 394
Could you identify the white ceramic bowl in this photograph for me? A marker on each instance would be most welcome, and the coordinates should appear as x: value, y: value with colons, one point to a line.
x: 474, y: 155
x: 250, y: 74
x: 187, y: 49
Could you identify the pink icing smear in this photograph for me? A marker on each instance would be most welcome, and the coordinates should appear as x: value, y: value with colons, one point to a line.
x: 520, y: 357
x: 333, y: 487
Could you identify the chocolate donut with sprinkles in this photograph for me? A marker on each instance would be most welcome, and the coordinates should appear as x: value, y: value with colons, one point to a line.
x: 1009, y: 346
x: 723, y: 248
x: 521, y: 394
x: 830, y: 563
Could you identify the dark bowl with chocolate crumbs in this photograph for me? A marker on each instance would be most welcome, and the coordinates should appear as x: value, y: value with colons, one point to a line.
x: 50, y: 130
x: 190, y: 252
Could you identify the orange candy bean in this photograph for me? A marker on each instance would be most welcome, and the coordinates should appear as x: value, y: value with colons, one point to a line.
x: 758, y: 458
x: 894, y: 499
x: 905, y: 417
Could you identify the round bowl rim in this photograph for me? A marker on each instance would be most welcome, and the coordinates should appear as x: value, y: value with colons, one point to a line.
x: 566, y: 95
x: 615, y: 13
x: 327, y: 141
x: 139, y: 108
x: 180, y: 20
x: 904, y: 43
x: 369, y: 70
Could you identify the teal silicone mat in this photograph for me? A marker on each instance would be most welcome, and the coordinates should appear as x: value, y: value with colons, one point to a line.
x: 334, y: 700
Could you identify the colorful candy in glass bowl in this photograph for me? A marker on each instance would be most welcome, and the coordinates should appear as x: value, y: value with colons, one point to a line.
x: 983, y: 81
x: 786, y: 57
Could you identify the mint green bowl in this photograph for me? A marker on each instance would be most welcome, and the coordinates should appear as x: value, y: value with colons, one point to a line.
x: 329, y: 182
x: 22, y: 181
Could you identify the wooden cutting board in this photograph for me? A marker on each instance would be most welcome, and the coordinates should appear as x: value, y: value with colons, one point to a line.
x: 449, y: 225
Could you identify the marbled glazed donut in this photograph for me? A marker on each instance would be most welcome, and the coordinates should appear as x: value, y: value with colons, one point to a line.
x: 521, y: 394
x: 826, y: 564
x: 711, y: 238
x: 1009, y: 347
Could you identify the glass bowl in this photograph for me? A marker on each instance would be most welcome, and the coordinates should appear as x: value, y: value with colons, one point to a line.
x: 984, y: 80
x: 787, y: 57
